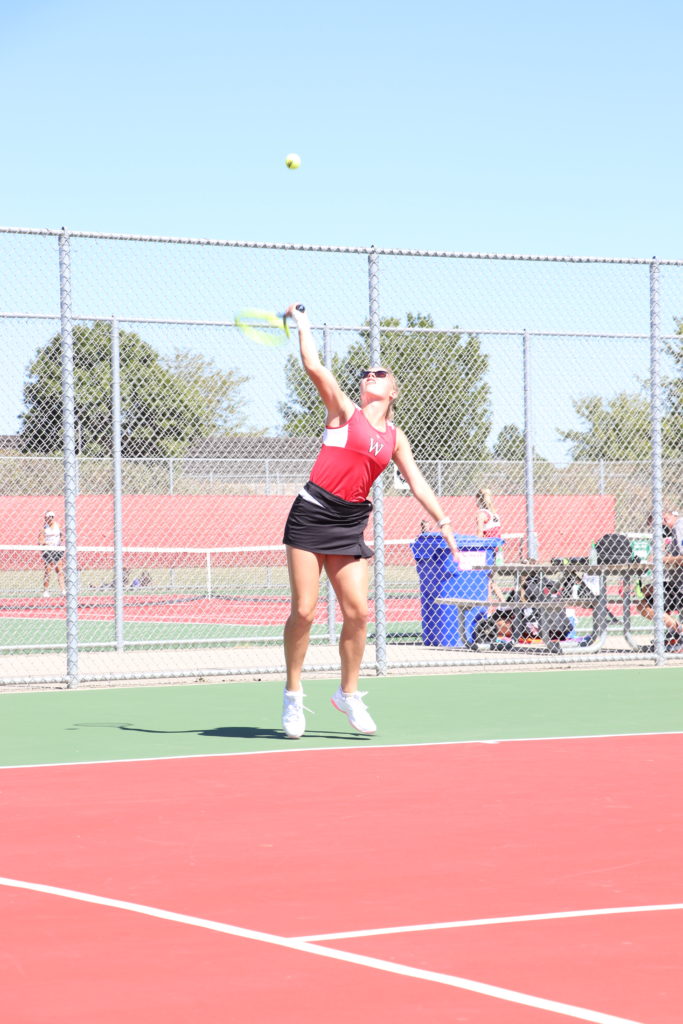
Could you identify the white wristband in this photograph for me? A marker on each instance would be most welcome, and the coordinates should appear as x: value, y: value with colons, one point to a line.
x: 446, y: 521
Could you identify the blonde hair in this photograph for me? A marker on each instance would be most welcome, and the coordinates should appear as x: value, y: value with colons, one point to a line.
x: 484, y: 498
x: 394, y: 400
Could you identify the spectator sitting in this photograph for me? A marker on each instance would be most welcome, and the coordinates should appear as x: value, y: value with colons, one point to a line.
x: 672, y: 528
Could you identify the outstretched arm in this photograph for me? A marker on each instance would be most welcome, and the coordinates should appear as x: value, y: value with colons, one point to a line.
x: 339, y: 406
x: 403, y: 457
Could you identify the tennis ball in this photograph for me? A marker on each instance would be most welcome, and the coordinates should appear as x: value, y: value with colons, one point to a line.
x: 293, y: 160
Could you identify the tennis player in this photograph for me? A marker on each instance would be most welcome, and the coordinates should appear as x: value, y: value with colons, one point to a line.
x: 488, y: 525
x: 325, y: 525
x: 50, y: 538
x: 488, y: 520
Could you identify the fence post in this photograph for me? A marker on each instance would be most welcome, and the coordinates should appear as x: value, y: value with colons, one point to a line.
x: 70, y: 461
x: 378, y: 486
x: 657, y: 489
x: 118, y: 483
x: 531, y: 539
x: 331, y: 598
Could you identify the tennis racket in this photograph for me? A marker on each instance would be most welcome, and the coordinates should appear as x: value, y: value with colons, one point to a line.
x: 263, y: 326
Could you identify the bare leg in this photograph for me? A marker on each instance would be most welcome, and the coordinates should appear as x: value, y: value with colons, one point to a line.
x: 304, y: 568
x: 648, y: 612
x: 59, y: 572
x: 349, y: 577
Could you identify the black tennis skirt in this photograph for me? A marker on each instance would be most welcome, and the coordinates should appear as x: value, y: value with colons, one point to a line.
x: 328, y: 525
x: 52, y: 557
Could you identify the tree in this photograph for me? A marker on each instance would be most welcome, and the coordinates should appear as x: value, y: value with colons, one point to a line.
x: 443, y: 403
x: 165, y: 405
x: 617, y: 429
x: 621, y: 428
x: 673, y: 422
x: 509, y: 445
x: 213, y: 393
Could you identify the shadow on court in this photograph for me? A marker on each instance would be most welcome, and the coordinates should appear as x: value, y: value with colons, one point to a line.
x: 247, y: 732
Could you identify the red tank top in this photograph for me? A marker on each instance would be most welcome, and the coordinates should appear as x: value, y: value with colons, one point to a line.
x: 352, y: 457
x: 491, y: 524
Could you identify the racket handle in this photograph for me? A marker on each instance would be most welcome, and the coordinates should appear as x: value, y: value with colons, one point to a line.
x: 299, y: 308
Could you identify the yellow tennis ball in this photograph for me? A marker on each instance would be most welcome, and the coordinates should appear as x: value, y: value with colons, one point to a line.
x: 293, y: 160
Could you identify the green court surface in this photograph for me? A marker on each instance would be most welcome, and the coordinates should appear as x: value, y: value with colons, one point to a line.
x: 50, y: 634
x: 171, y: 721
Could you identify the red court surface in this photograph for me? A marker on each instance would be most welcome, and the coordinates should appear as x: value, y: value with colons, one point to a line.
x: 305, y: 844
x: 214, y: 610
x: 207, y: 610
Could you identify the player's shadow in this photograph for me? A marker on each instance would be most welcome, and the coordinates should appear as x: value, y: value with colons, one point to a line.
x: 245, y: 732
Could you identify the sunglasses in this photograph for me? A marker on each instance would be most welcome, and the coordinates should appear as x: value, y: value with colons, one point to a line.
x: 380, y: 374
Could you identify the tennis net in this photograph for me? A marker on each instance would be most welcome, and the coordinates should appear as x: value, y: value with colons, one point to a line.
x: 180, y: 597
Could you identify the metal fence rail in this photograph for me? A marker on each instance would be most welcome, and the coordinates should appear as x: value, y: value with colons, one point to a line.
x: 137, y: 412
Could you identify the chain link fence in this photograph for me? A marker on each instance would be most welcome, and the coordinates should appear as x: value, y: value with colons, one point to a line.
x: 169, y: 447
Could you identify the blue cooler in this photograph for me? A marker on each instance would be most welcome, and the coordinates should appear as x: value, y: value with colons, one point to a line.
x: 440, y: 576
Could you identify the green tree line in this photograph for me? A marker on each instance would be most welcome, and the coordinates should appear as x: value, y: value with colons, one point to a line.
x: 444, y: 397
x: 620, y: 427
x: 444, y: 405
x: 166, y: 404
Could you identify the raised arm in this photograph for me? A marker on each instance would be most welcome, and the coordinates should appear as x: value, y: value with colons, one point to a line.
x: 339, y: 406
x: 410, y: 471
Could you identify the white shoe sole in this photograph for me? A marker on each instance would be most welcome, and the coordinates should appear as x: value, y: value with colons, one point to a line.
x: 364, y: 732
x: 293, y: 735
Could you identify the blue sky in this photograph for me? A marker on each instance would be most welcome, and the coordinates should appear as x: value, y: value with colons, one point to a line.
x: 527, y: 127
x: 532, y: 128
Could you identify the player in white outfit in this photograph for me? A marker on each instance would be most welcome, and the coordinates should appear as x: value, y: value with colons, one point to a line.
x: 50, y: 538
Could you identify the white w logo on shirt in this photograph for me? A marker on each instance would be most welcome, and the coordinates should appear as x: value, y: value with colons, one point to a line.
x: 375, y: 447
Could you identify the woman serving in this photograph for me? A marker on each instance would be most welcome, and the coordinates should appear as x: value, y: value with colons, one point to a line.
x: 325, y: 525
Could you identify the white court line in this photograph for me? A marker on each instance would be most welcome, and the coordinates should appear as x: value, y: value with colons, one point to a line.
x: 290, y: 747
x: 475, y: 922
x: 507, y: 995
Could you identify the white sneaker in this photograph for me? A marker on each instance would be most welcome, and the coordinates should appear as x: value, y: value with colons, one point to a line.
x: 293, y: 718
x: 351, y: 704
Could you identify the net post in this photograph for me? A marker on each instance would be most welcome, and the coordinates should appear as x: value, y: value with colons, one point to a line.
x: 531, y: 539
x: 69, y: 458
x: 378, y: 486
x: 331, y: 599
x: 656, y: 465
x: 118, y: 484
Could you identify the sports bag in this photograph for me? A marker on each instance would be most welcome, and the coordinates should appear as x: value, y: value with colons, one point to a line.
x: 613, y: 549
